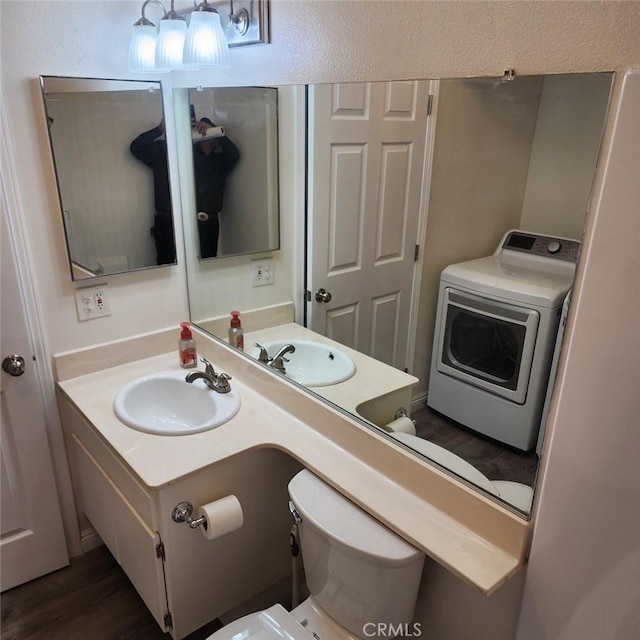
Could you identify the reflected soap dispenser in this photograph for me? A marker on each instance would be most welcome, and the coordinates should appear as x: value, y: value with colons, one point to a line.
x: 236, y: 334
x: 187, y: 348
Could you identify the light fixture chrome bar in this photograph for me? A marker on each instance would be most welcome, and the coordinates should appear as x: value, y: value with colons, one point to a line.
x: 245, y: 22
x: 241, y: 20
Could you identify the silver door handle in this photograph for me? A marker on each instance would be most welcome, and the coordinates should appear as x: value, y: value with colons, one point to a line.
x: 323, y: 296
x: 13, y: 365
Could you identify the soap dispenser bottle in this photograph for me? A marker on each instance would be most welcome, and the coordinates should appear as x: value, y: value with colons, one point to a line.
x: 187, y: 347
x: 236, y: 334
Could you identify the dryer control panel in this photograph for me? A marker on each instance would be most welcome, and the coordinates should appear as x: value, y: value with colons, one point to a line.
x: 541, y: 245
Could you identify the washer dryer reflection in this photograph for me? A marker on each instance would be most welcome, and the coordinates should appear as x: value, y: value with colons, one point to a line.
x: 496, y: 326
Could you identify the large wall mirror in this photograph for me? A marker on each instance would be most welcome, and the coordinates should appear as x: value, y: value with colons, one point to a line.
x: 114, y: 195
x: 404, y: 179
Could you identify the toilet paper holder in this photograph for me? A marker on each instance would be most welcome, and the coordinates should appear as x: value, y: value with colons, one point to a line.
x: 183, y: 511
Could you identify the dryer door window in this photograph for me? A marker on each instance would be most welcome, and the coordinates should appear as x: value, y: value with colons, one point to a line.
x: 486, y: 347
x: 488, y: 343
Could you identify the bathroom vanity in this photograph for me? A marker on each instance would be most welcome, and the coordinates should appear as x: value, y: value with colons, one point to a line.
x: 127, y: 484
x: 184, y: 579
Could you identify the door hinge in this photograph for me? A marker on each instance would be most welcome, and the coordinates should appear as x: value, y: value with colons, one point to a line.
x: 416, y: 253
x: 430, y: 104
x: 168, y: 620
x: 307, y: 295
x: 160, y: 551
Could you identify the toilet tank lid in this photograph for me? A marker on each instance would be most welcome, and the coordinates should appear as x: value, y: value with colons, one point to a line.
x: 345, y: 523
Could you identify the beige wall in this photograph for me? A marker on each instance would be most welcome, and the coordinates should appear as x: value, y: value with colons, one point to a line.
x: 484, y: 133
x: 584, y: 568
x: 564, y: 151
x: 315, y: 41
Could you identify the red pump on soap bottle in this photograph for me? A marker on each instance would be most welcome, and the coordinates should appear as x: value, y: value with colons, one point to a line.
x: 187, y: 348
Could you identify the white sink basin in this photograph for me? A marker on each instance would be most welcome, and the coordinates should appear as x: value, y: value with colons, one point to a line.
x: 314, y: 364
x: 164, y: 404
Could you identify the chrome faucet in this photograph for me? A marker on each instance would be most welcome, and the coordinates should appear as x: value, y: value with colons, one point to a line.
x: 264, y: 355
x: 215, y: 381
x: 277, y: 362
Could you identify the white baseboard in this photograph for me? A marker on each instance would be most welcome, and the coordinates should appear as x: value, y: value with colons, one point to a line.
x: 419, y: 401
x: 89, y: 539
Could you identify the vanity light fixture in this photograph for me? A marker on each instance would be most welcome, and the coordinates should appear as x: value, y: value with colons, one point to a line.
x: 204, y: 42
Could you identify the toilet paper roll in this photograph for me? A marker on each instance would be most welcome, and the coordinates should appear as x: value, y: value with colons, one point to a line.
x: 402, y: 425
x: 223, y: 516
x: 211, y: 132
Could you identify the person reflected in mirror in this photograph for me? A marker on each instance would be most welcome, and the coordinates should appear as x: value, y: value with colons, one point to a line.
x: 213, y: 160
x: 150, y: 147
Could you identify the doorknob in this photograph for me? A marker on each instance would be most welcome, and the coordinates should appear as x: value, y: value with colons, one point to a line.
x: 323, y: 296
x: 13, y: 365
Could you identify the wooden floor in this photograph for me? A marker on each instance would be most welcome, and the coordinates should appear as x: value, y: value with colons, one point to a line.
x: 92, y: 599
x: 493, y: 459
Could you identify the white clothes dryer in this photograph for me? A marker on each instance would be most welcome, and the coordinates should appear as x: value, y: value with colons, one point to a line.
x: 496, y: 326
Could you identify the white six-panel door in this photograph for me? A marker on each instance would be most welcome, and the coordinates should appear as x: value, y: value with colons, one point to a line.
x: 366, y: 162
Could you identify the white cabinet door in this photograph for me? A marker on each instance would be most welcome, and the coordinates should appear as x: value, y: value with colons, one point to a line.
x: 32, y: 540
x: 131, y: 541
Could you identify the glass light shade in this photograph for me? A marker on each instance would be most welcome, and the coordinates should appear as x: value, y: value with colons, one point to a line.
x: 205, y: 44
x: 142, y: 49
x: 170, y: 44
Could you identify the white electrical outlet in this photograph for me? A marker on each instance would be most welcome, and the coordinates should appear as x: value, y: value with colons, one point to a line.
x: 263, y: 272
x: 92, y: 302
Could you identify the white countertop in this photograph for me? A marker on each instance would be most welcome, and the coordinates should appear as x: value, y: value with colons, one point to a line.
x: 259, y: 423
x: 476, y: 539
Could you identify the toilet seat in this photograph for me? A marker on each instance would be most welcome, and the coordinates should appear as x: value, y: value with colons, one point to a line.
x: 274, y: 623
x: 447, y: 460
x: 515, y: 493
x: 306, y: 622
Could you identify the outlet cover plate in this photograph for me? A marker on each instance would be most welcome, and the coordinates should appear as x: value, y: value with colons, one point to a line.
x: 92, y: 302
x: 262, y: 272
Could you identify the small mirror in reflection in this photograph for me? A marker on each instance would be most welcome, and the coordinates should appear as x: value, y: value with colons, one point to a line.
x: 234, y: 134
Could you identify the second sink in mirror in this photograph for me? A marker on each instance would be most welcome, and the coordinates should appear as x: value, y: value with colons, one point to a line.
x: 312, y: 364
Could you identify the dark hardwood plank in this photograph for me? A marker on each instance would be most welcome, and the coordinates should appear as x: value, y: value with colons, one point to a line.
x: 92, y: 599
x: 495, y: 460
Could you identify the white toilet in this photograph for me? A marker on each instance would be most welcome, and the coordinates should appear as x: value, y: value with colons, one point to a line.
x: 363, y: 578
x: 515, y: 493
